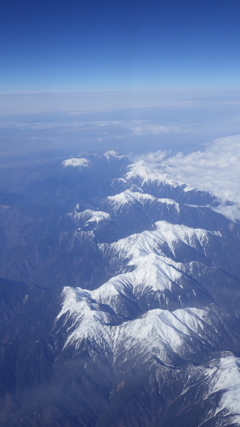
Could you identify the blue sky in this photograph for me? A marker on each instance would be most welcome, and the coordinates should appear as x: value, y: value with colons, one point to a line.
x: 107, y: 45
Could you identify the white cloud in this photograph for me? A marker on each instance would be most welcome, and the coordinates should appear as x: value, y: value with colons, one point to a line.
x: 216, y: 170
x: 156, y: 157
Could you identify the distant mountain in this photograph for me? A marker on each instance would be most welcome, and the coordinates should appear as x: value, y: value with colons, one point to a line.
x: 120, y: 298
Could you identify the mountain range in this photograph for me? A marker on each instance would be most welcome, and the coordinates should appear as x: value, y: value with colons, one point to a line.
x: 120, y: 298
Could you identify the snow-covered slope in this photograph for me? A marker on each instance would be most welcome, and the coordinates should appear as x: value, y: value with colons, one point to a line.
x: 89, y: 216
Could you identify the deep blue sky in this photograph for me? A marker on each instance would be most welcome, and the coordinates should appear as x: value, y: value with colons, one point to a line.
x: 61, y: 45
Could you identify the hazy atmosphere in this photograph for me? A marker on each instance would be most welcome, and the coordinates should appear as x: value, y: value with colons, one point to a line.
x: 48, y: 125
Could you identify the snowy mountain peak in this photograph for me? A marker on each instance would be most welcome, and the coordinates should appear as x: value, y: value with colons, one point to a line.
x: 149, y: 173
x: 127, y: 197
x: 75, y: 162
x: 111, y: 154
x: 89, y: 216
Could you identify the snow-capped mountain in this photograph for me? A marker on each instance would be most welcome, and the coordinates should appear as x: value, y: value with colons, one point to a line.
x: 120, y: 298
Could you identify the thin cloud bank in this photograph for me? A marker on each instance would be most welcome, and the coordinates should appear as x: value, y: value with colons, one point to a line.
x: 136, y: 127
x: 141, y: 129
x: 216, y: 170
